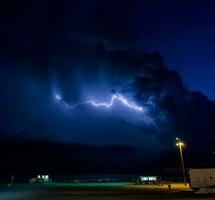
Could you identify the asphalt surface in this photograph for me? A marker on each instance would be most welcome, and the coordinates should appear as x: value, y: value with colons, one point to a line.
x: 98, y: 192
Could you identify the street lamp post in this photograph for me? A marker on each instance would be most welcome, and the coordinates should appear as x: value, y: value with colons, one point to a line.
x: 180, y: 144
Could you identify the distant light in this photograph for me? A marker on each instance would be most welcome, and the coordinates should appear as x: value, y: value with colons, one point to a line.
x: 148, y: 178
x: 152, y: 178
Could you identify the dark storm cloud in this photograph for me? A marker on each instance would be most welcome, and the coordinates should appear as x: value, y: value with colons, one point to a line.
x: 142, y: 76
x: 79, y: 48
x: 33, y: 29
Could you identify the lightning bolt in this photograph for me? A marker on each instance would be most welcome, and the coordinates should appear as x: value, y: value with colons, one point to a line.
x: 115, y: 97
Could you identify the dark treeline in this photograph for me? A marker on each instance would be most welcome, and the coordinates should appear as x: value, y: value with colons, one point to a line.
x: 27, y: 158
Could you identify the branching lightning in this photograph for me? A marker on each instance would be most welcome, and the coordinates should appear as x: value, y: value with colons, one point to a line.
x: 114, y: 98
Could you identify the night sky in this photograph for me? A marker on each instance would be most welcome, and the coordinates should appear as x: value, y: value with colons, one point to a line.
x: 56, y: 56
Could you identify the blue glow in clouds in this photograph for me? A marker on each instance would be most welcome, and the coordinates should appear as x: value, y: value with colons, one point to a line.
x: 114, y: 98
